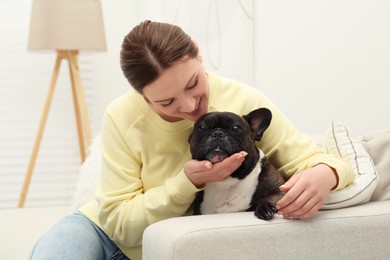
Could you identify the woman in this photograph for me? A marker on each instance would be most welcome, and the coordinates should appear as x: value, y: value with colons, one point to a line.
x: 147, y: 171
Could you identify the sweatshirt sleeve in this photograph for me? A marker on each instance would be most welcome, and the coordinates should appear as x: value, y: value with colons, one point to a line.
x: 125, y: 208
x: 292, y: 151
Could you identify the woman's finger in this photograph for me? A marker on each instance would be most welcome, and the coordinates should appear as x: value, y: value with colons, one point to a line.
x: 225, y: 168
x: 292, y: 192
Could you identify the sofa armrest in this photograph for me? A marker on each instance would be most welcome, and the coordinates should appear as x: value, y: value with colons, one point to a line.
x: 360, y: 232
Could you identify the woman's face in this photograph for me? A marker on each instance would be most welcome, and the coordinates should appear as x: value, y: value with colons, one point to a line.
x: 181, y: 92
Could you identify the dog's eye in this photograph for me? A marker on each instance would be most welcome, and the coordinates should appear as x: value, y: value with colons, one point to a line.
x: 236, y: 129
x: 201, y: 128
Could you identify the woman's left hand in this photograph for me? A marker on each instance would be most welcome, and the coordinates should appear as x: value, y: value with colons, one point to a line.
x: 306, y: 192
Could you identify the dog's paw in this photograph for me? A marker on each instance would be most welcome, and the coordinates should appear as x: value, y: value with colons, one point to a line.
x: 265, y: 210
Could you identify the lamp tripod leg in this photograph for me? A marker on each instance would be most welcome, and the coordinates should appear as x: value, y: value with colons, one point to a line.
x: 41, y: 130
x: 81, y: 98
x: 77, y: 111
x: 84, y: 130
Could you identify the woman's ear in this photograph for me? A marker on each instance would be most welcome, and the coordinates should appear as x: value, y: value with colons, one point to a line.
x: 199, y: 57
x: 146, y: 99
x: 196, y: 45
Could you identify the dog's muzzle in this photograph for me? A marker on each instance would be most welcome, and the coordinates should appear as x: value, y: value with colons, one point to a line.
x: 216, y: 155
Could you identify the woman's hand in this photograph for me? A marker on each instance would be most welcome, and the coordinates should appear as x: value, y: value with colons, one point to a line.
x: 202, y: 172
x: 306, y: 192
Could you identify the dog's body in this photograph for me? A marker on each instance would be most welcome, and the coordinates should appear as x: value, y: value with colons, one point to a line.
x: 254, y: 186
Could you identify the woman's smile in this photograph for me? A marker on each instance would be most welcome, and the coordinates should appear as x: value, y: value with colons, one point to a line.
x: 181, y: 92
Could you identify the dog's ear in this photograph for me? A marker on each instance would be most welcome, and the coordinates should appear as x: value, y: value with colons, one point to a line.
x: 258, y: 120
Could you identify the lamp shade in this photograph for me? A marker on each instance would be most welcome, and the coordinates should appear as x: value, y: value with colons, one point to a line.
x: 66, y: 25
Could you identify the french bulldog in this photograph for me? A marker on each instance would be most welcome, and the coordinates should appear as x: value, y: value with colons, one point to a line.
x: 254, y: 186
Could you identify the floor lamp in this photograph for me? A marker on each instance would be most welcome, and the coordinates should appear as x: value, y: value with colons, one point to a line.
x: 66, y: 26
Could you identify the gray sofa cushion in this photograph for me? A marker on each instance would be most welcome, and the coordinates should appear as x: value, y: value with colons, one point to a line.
x: 378, y: 146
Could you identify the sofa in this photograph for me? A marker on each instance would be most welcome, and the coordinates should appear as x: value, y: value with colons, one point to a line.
x: 353, y: 224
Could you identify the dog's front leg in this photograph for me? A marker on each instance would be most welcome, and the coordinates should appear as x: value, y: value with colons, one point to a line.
x: 266, y: 207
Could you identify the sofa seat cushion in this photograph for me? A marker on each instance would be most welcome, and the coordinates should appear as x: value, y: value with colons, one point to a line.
x: 22, y: 227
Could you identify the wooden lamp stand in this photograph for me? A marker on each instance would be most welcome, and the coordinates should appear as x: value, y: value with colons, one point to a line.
x: 81, y: 113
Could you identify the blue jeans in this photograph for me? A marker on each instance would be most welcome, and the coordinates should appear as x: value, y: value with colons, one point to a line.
x: 76, y: 237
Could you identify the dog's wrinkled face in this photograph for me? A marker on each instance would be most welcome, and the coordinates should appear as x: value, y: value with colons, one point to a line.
x: 217, y: 135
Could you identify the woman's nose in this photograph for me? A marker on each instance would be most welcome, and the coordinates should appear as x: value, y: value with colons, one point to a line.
x: 188, y: 105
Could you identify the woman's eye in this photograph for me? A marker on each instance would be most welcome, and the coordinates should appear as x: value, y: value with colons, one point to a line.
x: 236, y: 129
x: 194, y: 85
x: 167, y: 104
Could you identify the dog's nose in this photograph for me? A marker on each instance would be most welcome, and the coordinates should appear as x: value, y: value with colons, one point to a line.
x: 218, y: 134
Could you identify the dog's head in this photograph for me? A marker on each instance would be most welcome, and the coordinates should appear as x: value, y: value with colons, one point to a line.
x: 217, y: 135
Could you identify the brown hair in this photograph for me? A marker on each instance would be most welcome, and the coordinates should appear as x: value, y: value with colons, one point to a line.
x: 151, y: 47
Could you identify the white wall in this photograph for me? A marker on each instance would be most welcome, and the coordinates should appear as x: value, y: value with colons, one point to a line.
x: 315, y: 59
x: 324, y: 59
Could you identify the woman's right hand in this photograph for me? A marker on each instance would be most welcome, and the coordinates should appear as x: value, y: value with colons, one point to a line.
x: 202, y: 172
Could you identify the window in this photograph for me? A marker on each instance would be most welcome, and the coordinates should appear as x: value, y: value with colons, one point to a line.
x: 24, y: 82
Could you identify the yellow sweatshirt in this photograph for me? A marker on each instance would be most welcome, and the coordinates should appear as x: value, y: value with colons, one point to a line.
x: 142, y: 179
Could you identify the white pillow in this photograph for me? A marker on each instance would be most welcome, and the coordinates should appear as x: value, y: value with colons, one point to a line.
x: 88, y: 175
x: 341, y: 141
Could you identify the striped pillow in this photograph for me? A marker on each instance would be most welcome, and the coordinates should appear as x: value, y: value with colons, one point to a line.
x: 341, y: 141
